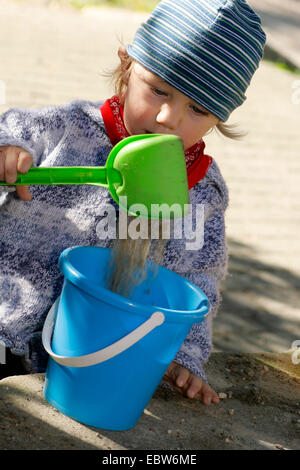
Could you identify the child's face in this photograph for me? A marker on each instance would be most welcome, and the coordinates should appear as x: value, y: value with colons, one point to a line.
x: 153, y: 106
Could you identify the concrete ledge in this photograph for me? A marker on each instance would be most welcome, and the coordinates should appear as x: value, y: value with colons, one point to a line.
x: 261, y: 411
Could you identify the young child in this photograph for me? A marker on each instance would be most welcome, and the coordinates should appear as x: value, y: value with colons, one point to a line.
x: 187, y: 69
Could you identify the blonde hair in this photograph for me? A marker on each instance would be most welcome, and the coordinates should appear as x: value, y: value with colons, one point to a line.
x: 119, y: 79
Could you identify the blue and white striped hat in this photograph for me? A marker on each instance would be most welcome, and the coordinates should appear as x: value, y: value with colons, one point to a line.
x: 207, y: 49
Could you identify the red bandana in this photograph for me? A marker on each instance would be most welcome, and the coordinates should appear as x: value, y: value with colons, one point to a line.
x: 197, y: 163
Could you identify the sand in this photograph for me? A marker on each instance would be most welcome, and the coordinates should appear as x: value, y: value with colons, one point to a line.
x: 261, y: 411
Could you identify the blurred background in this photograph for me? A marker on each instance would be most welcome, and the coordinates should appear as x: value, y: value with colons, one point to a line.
x: 52, y: 52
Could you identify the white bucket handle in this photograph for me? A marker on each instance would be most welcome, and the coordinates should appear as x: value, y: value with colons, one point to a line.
x: 156, y: 319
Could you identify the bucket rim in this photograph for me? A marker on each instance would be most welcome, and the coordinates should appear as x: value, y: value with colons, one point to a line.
x: 82, y: 282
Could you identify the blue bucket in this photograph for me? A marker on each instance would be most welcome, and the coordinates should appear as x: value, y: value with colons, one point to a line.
x: 109, y: 353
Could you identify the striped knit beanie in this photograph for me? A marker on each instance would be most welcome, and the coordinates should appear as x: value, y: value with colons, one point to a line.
x: 207, y: 49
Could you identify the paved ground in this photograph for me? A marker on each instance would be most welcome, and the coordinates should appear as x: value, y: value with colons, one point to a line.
x: 50, y: 56
x: 281, y: 23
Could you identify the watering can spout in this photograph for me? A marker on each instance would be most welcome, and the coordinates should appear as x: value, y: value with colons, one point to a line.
x: 145, y: 174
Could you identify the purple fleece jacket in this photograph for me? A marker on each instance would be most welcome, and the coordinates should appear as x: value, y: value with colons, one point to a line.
x: 33, y: 234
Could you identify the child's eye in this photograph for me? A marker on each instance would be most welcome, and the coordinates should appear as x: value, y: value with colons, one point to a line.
x: 198, y: 110
x: 158, y: 92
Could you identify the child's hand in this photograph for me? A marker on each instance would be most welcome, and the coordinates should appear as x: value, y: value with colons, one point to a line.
x: 15, y: 160
x: 189, y: 384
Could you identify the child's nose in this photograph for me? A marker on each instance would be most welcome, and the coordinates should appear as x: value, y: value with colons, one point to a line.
x: 169, y: 116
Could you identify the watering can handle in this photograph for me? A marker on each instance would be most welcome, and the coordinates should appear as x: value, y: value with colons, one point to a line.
x: 156, y: 319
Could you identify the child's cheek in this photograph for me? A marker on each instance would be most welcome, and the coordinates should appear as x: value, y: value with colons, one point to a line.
x: 142, y: 114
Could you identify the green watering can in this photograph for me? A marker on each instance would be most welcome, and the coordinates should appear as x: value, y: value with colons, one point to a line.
x: 148, y: 169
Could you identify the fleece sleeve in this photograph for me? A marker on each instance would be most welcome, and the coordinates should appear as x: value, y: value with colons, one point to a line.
x: 36, y: 130
x: 205, y: 267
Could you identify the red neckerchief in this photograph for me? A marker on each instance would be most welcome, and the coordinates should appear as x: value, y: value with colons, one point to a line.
x: 197, y: 163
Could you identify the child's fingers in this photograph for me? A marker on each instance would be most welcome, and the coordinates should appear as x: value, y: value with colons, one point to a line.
x: 215, y: 398
x: 23, y: 193
x: 189, y: 384
x: 15, y: 160
x: 195, y: 385
x: 25, y: 161
x: 181, y: 376
x: 207, y: 391
x: 209, y: 395
x: 10, y: 164
x: 2, y: 159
